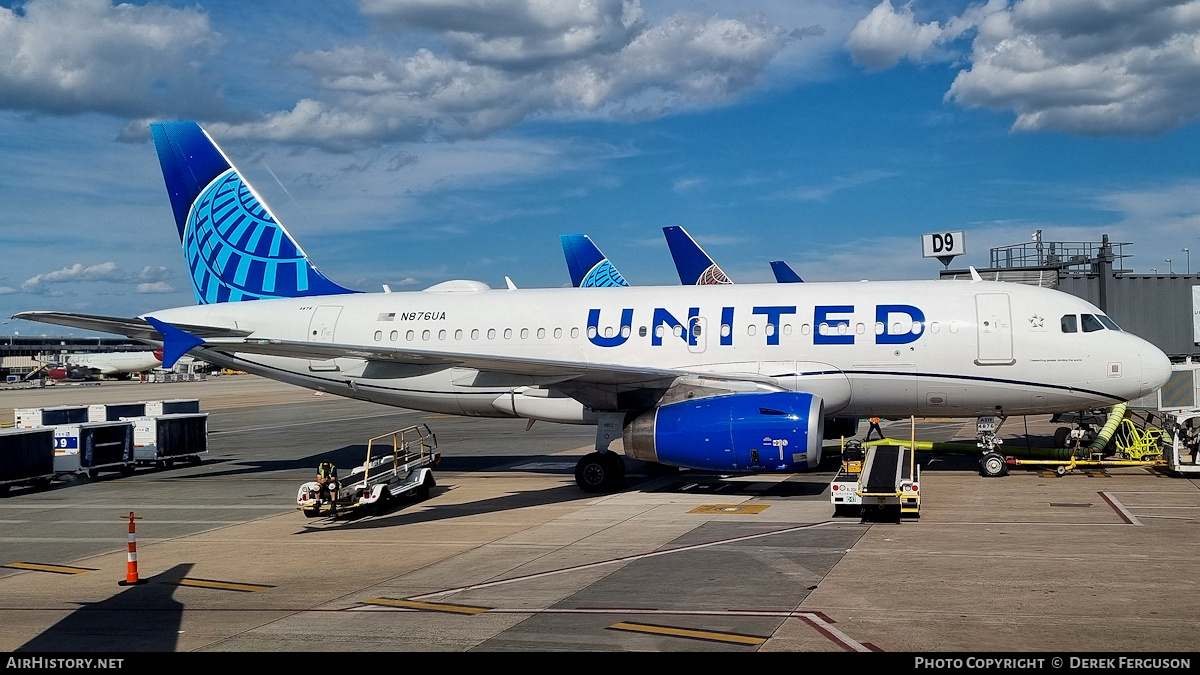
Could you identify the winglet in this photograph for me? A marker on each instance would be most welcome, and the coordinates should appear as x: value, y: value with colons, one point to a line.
x: 509, y: 282
x: 784, y: 273
x: 176, y: 342
x: 974, y: 275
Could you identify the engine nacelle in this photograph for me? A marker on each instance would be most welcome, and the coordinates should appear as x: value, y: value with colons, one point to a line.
x: 779, y: 431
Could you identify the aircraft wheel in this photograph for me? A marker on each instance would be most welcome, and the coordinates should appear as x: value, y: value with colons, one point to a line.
x: 595, y: 472
x: 993, y: 465
x: 1060, y: 437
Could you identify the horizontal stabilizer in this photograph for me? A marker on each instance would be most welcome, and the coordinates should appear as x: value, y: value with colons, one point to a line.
x: 784, y: 274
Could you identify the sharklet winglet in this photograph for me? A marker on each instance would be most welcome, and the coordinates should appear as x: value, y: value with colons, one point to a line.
x: 176, y: 342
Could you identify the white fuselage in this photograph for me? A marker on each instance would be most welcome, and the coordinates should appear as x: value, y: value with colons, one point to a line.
x: 978, y: 348
x: 115, y: 363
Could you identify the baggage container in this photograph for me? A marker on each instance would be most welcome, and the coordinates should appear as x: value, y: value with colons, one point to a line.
x: 112, y: 412
x: 165, y: 439
x: 93, y: 447
x: 32, y: 418
x: 175, y: 406
x: 26, y: 457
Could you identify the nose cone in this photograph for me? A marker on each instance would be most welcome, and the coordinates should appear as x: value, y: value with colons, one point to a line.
x: 1156, y: 369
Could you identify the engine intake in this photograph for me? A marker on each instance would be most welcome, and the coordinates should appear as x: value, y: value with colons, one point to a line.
x: 779, y: 431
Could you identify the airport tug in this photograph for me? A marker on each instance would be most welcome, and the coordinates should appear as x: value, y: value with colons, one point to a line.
x: 375, y: 482
x: 878, y: 476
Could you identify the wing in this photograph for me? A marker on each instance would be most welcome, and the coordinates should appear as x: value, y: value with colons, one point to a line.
x: 138, y: 329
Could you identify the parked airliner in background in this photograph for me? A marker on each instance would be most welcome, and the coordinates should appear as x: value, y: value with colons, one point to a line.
x: 87, y: 366
x: 726, y: 378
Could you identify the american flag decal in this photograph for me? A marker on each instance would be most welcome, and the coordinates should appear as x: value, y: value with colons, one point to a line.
x: 387, y: 316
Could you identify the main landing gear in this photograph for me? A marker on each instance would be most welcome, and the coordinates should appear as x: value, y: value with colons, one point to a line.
x: 600, y: 471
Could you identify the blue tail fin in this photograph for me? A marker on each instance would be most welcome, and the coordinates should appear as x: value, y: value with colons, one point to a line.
x: 695, y: 267
x: 784, y: 274
x: 588, y: 266
x: 236, y: 249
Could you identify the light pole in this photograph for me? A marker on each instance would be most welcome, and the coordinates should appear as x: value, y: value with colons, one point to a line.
x: 1154, y: 269
x: 1189, y: 259
x: 1170, y: 268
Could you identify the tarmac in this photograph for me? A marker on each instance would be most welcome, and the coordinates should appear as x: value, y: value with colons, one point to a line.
x: 509, y: 555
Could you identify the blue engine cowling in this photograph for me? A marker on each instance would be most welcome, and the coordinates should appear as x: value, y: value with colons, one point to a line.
x: 779, y: 431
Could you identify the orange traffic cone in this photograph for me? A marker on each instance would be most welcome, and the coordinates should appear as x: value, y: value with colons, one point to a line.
x: 131, y: 572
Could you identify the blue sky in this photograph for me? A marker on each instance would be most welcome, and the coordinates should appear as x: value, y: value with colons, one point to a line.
x: 408, y: 142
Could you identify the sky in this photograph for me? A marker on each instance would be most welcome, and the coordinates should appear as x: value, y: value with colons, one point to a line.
x: 409, y: 142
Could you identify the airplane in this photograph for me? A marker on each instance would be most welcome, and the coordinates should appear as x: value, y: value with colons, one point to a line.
x: 589, y: 267
x: 695, y: 267
x: 723, y: 378
x: 784, y: 274
x: 90, y: 366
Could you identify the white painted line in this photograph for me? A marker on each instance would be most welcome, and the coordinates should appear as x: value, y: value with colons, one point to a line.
x: 1170, y: 517
x: 300, y: 424
x: 835, y: 635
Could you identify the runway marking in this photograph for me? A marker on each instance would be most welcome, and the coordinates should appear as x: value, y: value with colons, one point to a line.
x: 617, y: 561
x: 222, y: 585
x: 300, y: 424
x: 544, y: 466
x: 720, y: 509
x: 1120, y: 509
x: 43, y: 567
x: 428, y: 606
x: 708, y: 636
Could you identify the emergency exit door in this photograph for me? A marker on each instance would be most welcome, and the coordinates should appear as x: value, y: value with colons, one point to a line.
x: 994, y: 328
x: 321, y: 329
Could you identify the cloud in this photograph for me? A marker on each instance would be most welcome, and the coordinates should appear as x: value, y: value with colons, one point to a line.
x: 885, y: 36
x: 155, y: 287
x: 150, y: 277
x: 1088, y: 68
x: 820, y: 193
x: 682, y: 185
x: 75, y: 56
x: 512, y: 61
x: 6, y: 290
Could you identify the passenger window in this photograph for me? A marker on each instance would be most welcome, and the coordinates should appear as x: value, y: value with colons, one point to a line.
x: 557, y: 333
x: 591, y: 331
x: 424, y: 335
x: 378, y: 335
x: 1090, y: 323
x: 770, y: 329
x: 696, y: 329
x: 787, y: 329
x: 750, y: 329
x: 541, y: 333
x: 394, y: 336
x: 726, y: 329
x: 861, y: 328
x: 625, y: 331
x: 491, y: 333
x: 507, y: 333
x: 658, y: 330
x: 524, y: 333
x: 575, y: 332
x: 474, y: 333
x: 458, y: 334
x: 441, y: 335
x: 1109, y: 323
x: 934, y: 327
x: 677, y: 331
x: 879, y: 328
x: 410, y: 336
x: 804, y: 329
x: 1069, y: 324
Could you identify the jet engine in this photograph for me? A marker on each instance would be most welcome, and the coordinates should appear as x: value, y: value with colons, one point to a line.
x: 778, y: 431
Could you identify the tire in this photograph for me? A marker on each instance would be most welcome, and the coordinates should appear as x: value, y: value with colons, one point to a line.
x: 194, y: 460
x: 1060, y: 471
x: 595, y: 472
x: 127, y: 470
x: 992, y: 465
x: 160, y: 465
x: 4, y: 490
x: 381, y: 505
x: 1061, y: 435
x: 41, y: 483
x: 92, y: 473
x: 426, y: 485
x: 311, y: 513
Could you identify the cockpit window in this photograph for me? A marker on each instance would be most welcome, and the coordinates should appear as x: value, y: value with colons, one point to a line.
x: 1091, y: 323
x: 1109, y: 323
x: 1069, y: 323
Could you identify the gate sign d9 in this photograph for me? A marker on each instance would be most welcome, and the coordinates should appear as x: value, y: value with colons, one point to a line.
x: 941, y: 244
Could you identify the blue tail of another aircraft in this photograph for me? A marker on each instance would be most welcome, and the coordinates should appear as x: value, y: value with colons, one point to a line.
x: 588, y: 266
x: 695, y: 267
x: 236, y: 249
x: 784, y: 274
